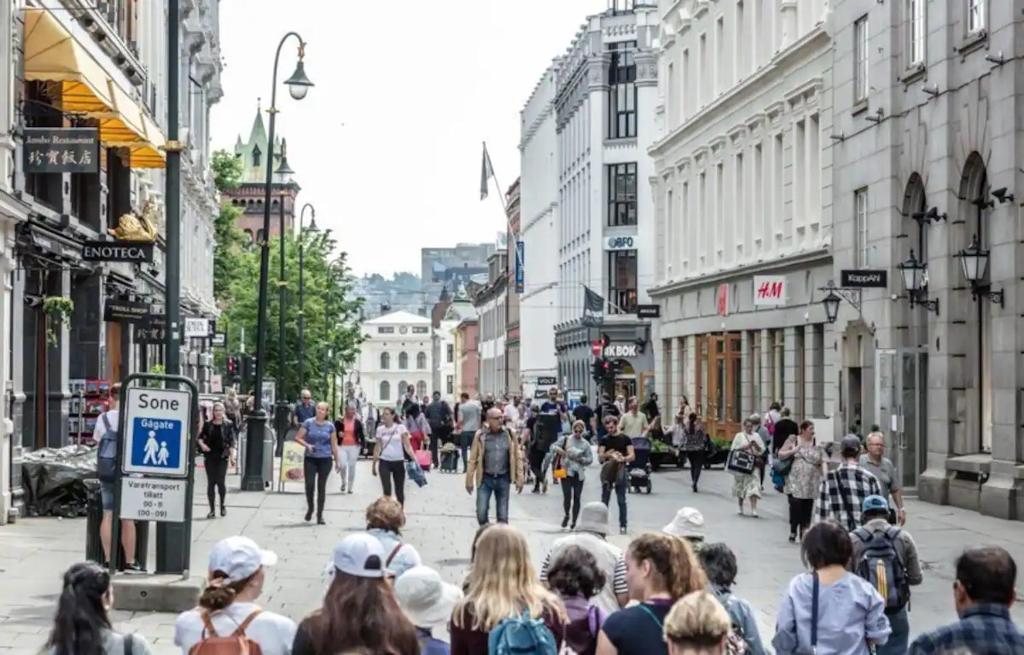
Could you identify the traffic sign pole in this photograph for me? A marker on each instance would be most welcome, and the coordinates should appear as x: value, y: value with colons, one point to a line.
x: 174, y: 540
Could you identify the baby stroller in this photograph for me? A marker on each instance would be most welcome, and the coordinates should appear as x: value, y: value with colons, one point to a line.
x: 640, y: 468
x: 449, y: 458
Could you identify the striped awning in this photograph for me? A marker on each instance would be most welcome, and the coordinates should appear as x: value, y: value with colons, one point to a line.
x: 53, y: 55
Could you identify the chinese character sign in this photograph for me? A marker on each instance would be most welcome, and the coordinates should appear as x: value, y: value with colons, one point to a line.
x: 61, y: 150
x: 769, y: 290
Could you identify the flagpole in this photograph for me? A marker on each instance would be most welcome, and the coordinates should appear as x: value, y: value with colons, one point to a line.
x: 504, y: 205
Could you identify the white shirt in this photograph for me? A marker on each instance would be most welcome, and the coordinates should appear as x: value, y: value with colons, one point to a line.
x: 512, y: 414
x: 274, y: 633
x: 113, y: 416
x: 390, y: 440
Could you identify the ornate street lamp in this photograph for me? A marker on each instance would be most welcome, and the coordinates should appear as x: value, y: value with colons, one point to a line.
x: 915, y: 281
x: 831, y: 302
x: 298, y: 85
x: 974, y: 265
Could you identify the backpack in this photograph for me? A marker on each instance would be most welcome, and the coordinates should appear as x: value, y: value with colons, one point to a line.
x: 881, y: 565
x: 236, y: 644
x: 521, y: 635
x: 106, y: 453
x: 736, y: 643
x: 581, y: 632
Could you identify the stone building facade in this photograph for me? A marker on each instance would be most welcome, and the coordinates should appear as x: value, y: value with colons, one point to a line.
x: 929, y: 136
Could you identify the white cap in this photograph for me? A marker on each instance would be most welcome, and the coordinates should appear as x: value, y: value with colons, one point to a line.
x: 688, y: 522
x: 239, y: 557
x: 361, y: 555
x: 424, y: 597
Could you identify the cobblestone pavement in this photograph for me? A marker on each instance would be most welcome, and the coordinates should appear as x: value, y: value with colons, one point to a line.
x: 441, y: 523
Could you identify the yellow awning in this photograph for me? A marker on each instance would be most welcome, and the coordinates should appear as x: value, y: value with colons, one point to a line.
x: 53, y: 55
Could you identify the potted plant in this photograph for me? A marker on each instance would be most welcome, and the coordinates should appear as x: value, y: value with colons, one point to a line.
x: 57, y: 310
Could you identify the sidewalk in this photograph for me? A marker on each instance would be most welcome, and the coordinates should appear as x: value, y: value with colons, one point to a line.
x: 35, y: 552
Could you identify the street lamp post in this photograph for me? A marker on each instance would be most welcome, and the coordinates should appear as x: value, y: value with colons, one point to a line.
x: 298, y: 85
x: 302, y: 290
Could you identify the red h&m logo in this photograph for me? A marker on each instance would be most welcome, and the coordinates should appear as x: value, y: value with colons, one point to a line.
x: 770, y: 290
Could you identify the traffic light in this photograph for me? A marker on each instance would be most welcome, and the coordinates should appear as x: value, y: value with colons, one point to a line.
x: 232, y: 366
x: 603, y: 369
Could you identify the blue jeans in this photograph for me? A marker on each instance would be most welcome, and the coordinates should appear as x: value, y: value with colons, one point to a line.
x: 500, y: 486
x: 900, y: 636
x: 621, y: 485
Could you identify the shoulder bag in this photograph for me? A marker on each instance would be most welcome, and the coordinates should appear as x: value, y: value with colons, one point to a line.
x: 740, y: 461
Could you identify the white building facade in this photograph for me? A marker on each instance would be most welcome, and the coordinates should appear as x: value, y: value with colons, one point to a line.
x: 606, y: 91
x: 538, y: 204
x: 742, y: 187
x: 491, y: 306
x: 395, y: 353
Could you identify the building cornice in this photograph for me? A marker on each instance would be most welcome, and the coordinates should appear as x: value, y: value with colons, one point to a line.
x: 803, y: 259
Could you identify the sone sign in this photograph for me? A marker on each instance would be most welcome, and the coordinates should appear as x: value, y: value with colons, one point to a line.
x: 156, y: 432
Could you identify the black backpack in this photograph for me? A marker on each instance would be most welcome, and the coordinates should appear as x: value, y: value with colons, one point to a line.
x: 106, y: 452
x: 881, y: 565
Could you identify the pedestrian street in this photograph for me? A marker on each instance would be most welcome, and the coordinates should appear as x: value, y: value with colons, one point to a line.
x: 441, y: 524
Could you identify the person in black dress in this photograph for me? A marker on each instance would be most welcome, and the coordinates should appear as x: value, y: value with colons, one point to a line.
x: 217, y: 444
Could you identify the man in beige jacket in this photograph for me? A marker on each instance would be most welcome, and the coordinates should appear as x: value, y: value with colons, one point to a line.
x: 493, y: 467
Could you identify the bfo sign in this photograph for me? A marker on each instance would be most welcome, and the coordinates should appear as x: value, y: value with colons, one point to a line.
x: 770, y: 290
x: 620, y: 243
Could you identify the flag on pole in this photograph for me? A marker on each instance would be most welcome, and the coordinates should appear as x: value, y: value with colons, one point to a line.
x: 593, y: 307
x: 486, y: 173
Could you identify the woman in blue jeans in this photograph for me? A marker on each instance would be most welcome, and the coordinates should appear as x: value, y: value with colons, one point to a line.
x: 317, y: 436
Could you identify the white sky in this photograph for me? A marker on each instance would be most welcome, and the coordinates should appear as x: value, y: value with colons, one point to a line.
x: 387, y: 144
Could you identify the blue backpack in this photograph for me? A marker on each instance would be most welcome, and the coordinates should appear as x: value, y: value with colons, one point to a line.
x: 521, y: 635
x: 106, y: 453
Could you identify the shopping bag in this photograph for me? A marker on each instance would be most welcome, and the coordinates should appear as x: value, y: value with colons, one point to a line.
x: 423, y: 459
x: 741, y: 462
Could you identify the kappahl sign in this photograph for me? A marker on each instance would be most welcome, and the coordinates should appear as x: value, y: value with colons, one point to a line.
x: 117, y: 251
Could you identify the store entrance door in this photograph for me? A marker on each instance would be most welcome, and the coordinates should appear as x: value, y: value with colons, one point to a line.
x: 625, y: 380
x: 719, y: 384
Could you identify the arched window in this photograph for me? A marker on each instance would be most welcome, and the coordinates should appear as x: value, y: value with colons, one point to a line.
x: 402, y: 387
x: 421, y: 388
x: 421, y: 361
x: 385, y: 390
x: 403, y: 360
x: 385, y: 360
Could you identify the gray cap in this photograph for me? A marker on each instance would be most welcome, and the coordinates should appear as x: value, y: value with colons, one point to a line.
x: 850, y: 443
x: 594, y: 518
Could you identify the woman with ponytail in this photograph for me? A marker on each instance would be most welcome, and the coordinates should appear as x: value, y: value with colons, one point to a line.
x: 660, y: 569
x: 82, y: 626
x: 227, y: 606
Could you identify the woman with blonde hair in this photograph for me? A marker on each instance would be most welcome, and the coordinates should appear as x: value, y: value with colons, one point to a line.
x: 697, y: 625
x: 502, y: 585
x: 571, y: 455
x: 660, y: 569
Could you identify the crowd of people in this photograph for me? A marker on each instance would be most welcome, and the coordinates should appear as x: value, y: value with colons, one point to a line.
x: 667, y: 592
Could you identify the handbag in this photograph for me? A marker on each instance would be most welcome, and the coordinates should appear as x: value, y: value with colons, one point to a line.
x: 782, y: 466
x: 740, y: 461
x: 558, y: 470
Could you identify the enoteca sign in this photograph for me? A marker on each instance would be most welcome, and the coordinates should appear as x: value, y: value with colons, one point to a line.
x: 117, y: 251
x: 61, y: 150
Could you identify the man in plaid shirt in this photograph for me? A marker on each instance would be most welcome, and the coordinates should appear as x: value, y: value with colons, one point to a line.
x: 843, y: 490
x: 983, y: 593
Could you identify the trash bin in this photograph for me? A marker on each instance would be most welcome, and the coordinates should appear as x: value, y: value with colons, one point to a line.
x: 93, y: 517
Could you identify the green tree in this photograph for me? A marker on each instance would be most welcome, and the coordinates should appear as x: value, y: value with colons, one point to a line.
x: 332, y: 331
x: 229, y: 239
